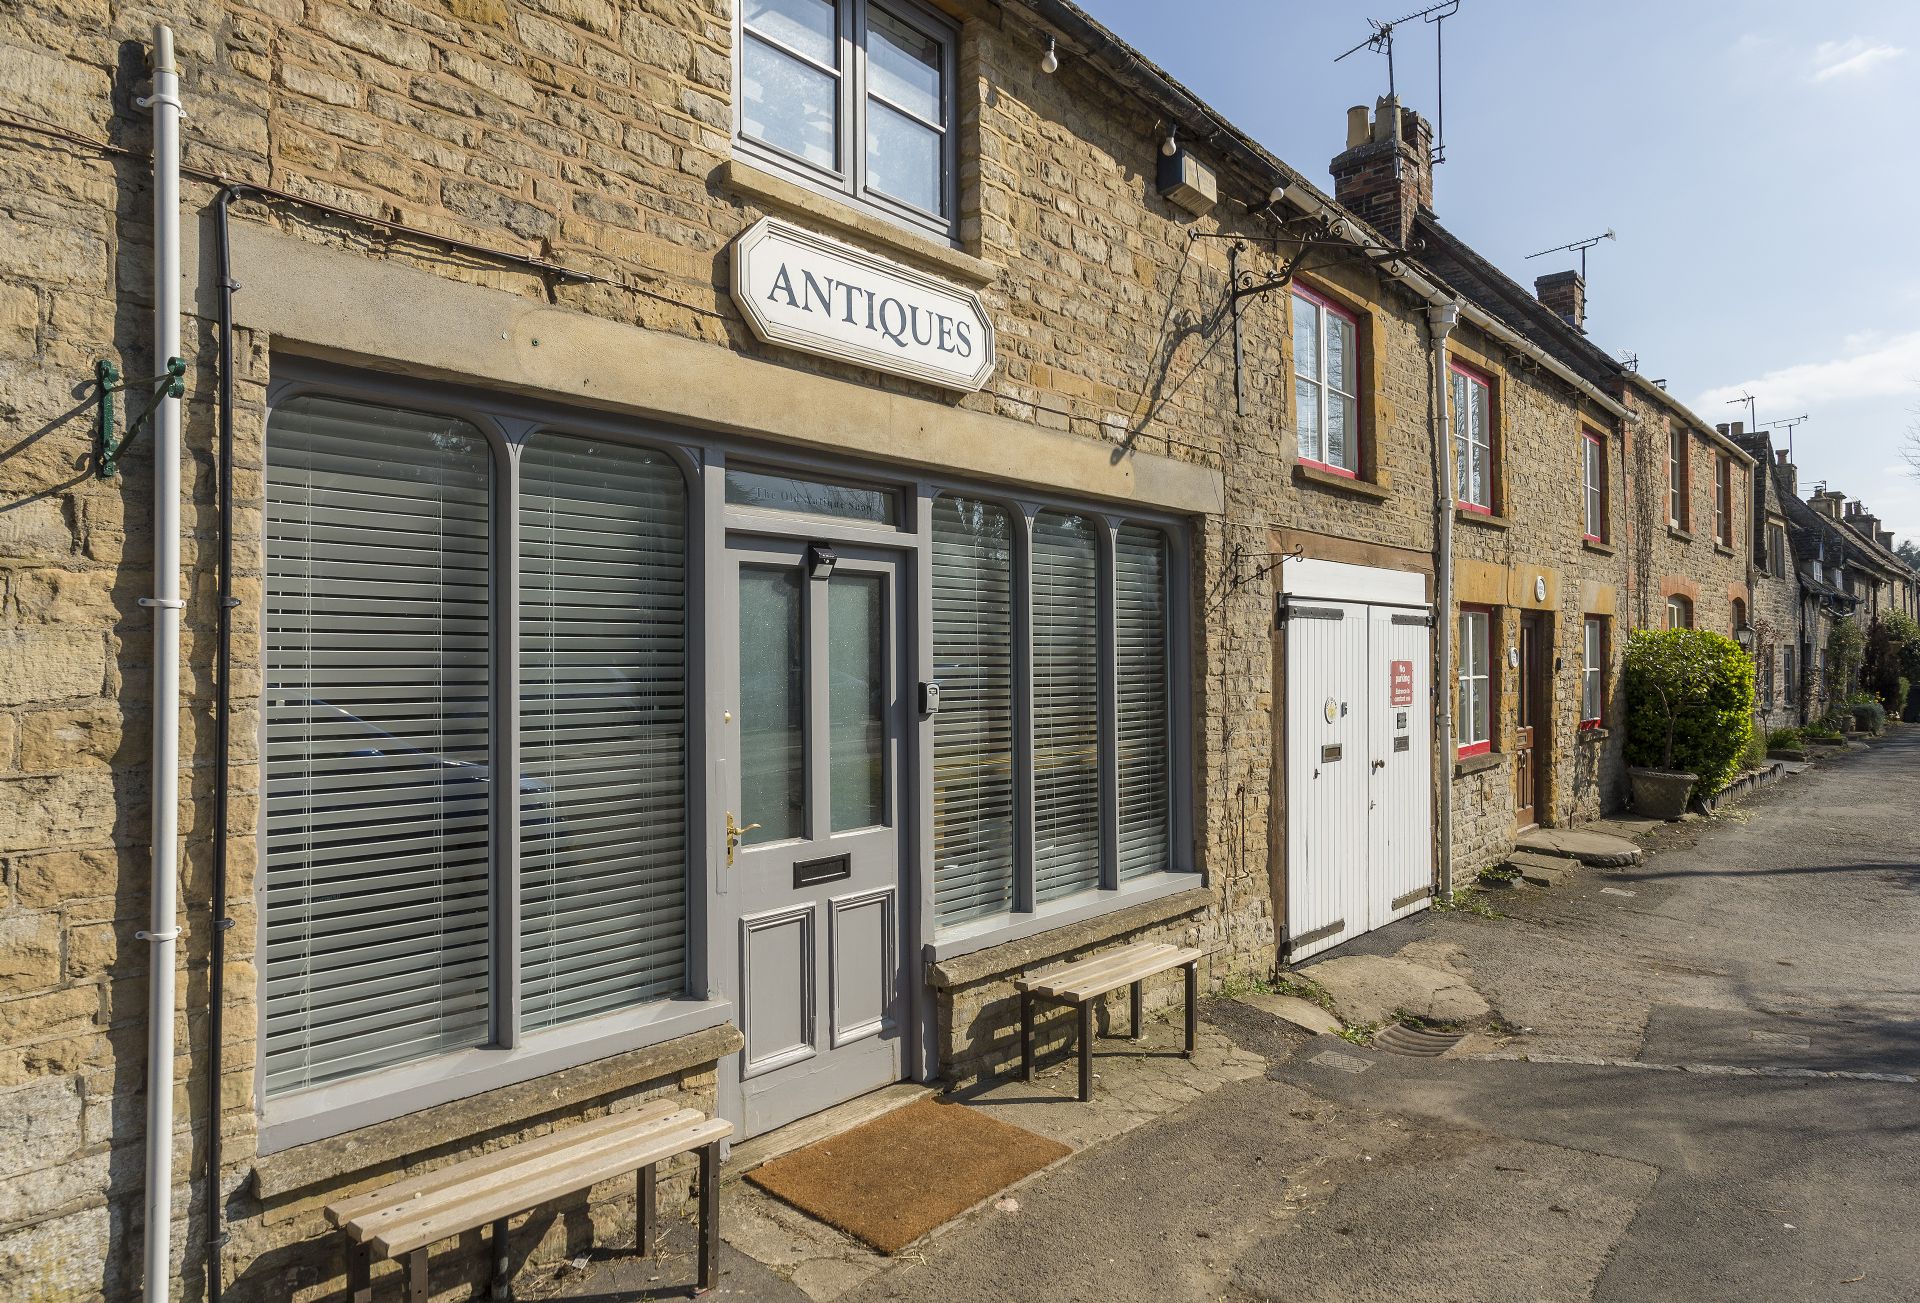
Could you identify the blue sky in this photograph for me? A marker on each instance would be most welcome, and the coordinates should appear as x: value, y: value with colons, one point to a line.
x: 1756, y: 157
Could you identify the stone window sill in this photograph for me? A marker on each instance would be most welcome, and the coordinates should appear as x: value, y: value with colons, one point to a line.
x: 994, y: 945
x: 1594, y: 734
x: 1469, y: 517
x: 1684, y: 535
x: 1322, y: 479
x: 1596, y: 545
x: 1478, y: 764
x: 764, y: 187
x: 1723, y: 549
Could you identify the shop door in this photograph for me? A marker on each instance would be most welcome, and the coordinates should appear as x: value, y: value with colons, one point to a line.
x: 1529, y: 737
x: 1359, y: 771
x: 811, y: 765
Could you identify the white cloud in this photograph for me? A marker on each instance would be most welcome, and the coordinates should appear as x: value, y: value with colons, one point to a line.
x: 1880, y: 366
x: 1853, y: 57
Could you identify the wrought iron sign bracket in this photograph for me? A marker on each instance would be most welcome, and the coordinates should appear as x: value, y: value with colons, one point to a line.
x: 170, y: 383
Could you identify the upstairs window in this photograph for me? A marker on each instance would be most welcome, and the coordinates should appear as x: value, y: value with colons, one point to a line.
x: 1325, y: 391
x: 1677, y: 514
x: 1777, y: 550
x: 1723, y: 500
x: 1593, y: 480
x: 853, y: 97
x: 1679, y: 612
x: 1472, y: 412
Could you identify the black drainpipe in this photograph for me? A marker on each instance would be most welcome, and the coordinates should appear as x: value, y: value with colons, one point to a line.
x: 222, y: 725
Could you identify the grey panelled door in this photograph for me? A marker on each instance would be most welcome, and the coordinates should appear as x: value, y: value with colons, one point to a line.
x: 812, y: 808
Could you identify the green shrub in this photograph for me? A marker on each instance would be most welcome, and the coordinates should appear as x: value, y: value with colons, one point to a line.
x: 1870, y: 717
x: 1756, y: 753
x: 1821, y: 733
x: 1689, y: 703
x: 1784, y: 739
x: 1846, y: 649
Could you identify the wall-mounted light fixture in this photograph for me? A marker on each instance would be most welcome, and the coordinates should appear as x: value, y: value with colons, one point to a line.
x: 820, y: 559
x: 1170, y: 146
x: 1050, y: 61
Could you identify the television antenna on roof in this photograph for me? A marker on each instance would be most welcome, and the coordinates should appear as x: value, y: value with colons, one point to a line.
x: 1381, y: 42
x: 1753, y: 420
x: 1578, y: 246
x: 1789, y: 422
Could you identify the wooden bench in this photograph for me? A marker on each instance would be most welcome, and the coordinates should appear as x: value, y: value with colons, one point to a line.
x: 402, y: 1220
x: 1086, y: 980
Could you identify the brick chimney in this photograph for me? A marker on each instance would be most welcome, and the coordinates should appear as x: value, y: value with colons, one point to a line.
x: 1789, y: 473
x: 1827, y: 503
x: 1385, y: 174
x: 1564, y: 292
x: 1886, y: 538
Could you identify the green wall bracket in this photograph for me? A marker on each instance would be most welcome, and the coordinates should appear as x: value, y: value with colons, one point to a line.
x: 170, y: 383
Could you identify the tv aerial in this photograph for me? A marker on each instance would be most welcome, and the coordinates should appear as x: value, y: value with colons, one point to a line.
x: 1381, y: 42
x: 1790, y: 422
x: 1578, y: 246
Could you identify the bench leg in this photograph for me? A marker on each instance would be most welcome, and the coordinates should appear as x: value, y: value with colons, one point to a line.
x: 417, y: 1290
x: 709, y: 1215
x: 502, y: 1262
x: 1193, y: 981
x: 645, y: 1205
x: 1026, y: 1035
x: 359, y: 1272
x: 1135, y: 1001
x: 1086, y: 1050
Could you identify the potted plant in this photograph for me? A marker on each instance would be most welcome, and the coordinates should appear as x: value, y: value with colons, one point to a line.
x: 1662, y: 793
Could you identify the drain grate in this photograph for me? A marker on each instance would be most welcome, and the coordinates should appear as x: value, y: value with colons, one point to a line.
x: 1416, y: 1042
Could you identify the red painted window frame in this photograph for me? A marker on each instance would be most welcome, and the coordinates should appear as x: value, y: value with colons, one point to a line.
x: 1326, y: 304
x: 1598, y: 720
x: 1589, y: 437
x: 1485, y: 381
x: 1723, y: 499
x: 1680, y: 496
x: 1485, y: 746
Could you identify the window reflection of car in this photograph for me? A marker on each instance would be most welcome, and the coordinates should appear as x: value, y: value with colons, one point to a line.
x: 371, y: 742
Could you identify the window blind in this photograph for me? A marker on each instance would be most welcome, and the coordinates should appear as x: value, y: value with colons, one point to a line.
x: 1066, y: 705
x: 377, y: 779
x: 973, y: 733
x: 1140, y: 666
x: 603, y: 728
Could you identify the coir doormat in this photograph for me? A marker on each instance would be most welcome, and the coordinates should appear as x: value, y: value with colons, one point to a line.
x: 889, y: 1181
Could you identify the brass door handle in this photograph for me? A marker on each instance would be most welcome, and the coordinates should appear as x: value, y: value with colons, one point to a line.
x: 734, y: 833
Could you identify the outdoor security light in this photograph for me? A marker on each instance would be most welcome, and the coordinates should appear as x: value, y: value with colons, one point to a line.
x: 1050, y: 61
x: 820, y: 559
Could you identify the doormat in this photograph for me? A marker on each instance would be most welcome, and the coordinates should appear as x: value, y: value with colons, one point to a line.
x: 889, y: 1181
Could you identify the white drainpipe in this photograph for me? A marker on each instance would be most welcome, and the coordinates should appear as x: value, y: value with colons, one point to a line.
x: 165, y: 761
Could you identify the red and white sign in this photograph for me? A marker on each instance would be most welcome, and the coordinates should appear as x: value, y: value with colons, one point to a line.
x: 1402, y: 676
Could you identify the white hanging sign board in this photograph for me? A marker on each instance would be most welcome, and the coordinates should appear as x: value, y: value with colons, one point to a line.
x: 806, y: 292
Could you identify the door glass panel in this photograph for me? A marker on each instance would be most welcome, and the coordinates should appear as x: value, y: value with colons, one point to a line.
x: 856, y: 699
x: 773, y: 763
x: 773, y: 491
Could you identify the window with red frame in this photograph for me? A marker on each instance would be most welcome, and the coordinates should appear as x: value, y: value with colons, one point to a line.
x: 1473, y: 439
x: 1593, y: 477
x: 1326, y: 400
x: 1677, y: 478
x: 1593, y: 673
x: 1723, y: 500
x: 1475, y: 712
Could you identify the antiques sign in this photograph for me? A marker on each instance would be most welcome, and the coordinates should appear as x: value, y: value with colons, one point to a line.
x: 804, y: 291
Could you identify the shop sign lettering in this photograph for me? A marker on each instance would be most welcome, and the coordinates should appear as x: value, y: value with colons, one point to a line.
x: 804, y: 291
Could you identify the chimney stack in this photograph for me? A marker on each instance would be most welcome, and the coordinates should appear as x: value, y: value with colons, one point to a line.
x: 1789, y: 473
x: 1827, y: 503
x: 1565, y: 292
x: 1385, y: 175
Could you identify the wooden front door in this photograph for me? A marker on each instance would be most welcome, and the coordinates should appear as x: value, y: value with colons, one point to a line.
x: 1530, y: 741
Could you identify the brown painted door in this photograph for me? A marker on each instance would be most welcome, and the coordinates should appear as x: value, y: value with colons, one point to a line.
x: 1528, y: 739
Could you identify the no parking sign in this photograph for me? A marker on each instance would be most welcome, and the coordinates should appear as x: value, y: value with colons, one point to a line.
x: 1401, y: 676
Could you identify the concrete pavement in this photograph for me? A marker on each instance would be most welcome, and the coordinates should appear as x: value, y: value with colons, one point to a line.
x: 1743, y: 1121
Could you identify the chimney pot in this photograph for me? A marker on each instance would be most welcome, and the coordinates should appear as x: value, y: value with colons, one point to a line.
x: 1359, y: 130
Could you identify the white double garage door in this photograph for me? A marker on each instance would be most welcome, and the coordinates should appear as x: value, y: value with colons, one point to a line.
x: 1357, y: 668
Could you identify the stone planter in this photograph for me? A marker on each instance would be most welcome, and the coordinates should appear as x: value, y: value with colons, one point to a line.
x: 1661, y: 793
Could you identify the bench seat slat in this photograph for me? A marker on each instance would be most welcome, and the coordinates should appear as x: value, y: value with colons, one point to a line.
x: 369, y: 1224
x: 1115, y: 978
x: 1081, y: 970
x: 426, y: 1183
x: 509, y: 1192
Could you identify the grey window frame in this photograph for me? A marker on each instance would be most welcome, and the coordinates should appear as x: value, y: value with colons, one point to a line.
x: 1027, y: 916
x: 847, y: 180
x: 509, y: 1055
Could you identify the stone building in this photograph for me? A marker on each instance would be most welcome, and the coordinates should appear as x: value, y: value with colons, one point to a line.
x: 1688, y: 537
x: 1784, y: 614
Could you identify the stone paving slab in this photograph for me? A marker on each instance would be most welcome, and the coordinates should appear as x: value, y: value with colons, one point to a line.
x: 1596, y: 848
x: 1372, y: 989
x: 1291, y: 1008
x: 1541, y: 870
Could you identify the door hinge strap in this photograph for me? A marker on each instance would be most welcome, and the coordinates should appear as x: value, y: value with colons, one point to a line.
x: 1287, y: 611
